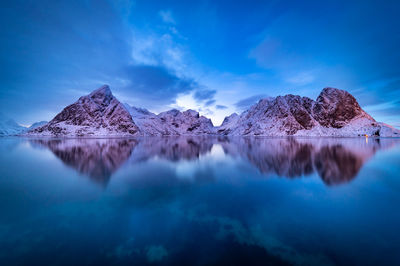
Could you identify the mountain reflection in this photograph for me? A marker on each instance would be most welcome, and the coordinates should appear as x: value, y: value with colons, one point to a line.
x: 336, y: 161
x: 96, y: 158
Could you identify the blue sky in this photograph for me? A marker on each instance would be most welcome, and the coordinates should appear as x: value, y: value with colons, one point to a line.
x: 217, y: 57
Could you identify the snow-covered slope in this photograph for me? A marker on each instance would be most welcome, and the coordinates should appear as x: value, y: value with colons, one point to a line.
x: 188, y: 122
x: 37, y: 124
x: 8, y: 127
x: 149, y: 123
x: 334, y: 113
x: 97, y: 114
x: 228, y: 123
x: 170, y: 123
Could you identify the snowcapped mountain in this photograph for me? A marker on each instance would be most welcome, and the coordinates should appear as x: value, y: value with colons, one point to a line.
x: 149, y: 123
x: 97, y: 114
x: 37, y: 124
x: 228, y: 123
x: 8, y: 127
x: 334, y: 113
x: 170, y: 123
x: 188, y: 122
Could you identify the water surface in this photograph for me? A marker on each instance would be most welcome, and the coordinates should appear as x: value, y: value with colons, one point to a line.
x: 202, y: 201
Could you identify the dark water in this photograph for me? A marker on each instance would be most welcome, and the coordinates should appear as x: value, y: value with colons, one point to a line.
x: 200, y: 201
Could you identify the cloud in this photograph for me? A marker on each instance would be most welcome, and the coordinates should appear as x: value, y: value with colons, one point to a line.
x: 166, y: 16
x: 221, y: 107
x: 155, y: 84
x: 204, y: 94
x: 75, y: 46
x: 249, y: 101
x: 302, y: 78
x: 156, y: 50
x: 209, y: 102
x: 268, y: 53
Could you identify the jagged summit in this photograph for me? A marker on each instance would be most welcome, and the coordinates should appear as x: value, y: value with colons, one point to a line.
x: 96, y: 114
x: 171, y: 123
x: 102, y: 95
x: 334, y: 113
x: 335, y: 108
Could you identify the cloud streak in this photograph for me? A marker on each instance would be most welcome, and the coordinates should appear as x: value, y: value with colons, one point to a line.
x: 245, y: 103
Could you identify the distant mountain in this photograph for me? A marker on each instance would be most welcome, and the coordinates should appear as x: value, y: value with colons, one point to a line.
x: 9, y: 127
x: 334, y: 113
x: 37, y: 124
x: 170, y: 123
x: 97, y: 114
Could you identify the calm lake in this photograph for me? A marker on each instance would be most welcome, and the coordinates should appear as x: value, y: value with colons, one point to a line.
x: 201, y: 201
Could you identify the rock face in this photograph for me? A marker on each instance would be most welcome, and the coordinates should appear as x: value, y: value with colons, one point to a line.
x: 334, y: 113
x: 8, y: 127
x: 171, y: 123
x: 228, y: 123
x: 336, y: 108
x: 97, y: 114
x: 188, y: 122
x: 148, y: 123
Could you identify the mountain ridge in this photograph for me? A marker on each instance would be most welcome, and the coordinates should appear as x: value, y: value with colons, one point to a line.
x: 334, y: 113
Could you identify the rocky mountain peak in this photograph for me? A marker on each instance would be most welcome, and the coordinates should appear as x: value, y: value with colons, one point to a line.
x: 334, y: 113
x: 192, y: 113
x: 172, y: 112
x: 335, y: 108
x: 230, y: 118
x: 102, y: 91
x: 332, y: 95
x: 102, y: 96
x: 96, y: 114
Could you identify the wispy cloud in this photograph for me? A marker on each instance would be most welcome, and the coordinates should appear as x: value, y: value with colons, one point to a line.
x: 249, y: 101
x: 204, y: 94
x: 302, y: 78
x: 158, y: 50
x: 166, y: 16
x: 210, y: 102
